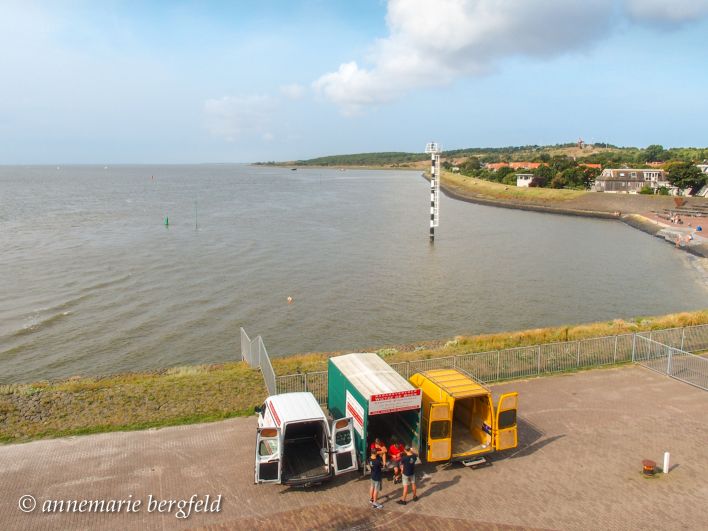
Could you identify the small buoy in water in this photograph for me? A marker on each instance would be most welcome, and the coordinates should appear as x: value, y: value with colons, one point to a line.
x: 167, y: 221
x: 290, y: 300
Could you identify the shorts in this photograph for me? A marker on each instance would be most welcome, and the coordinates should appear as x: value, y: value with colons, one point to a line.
x: 408, y: 480
x: 376, y: 484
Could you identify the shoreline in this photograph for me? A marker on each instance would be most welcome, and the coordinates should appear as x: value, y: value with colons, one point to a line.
x: 632, y: 219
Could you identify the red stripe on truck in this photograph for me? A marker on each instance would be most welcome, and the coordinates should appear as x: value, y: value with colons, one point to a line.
x: 355, y: 415
x: 275, y: 415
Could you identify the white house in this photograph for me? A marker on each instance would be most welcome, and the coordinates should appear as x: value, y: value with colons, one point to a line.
x: 523, y: 180
x: 630, y: 180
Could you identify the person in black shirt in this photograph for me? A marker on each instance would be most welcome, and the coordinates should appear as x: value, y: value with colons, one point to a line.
x: 376, y: 464
x: 408, y: 460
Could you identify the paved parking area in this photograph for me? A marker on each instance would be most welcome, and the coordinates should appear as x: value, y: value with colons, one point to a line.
x: 578, y: 466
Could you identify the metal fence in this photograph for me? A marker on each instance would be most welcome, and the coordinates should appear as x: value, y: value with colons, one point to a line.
x: 688, y: 339
x: 255, y: 354
x: 247, y: 354
x: 672, y: 361
x: 549, y: 358
x: 266, y: 367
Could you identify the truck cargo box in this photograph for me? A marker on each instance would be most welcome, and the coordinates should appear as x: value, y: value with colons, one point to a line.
x: 380, y: 402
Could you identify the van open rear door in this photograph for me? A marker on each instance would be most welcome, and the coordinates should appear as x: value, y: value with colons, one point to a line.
x: 342, y: 445
x: 439, y: 433
x: 505, y: 431
x: 268, y: 455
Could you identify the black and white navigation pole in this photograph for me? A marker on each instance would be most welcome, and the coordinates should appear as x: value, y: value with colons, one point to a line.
x: 434, y: 149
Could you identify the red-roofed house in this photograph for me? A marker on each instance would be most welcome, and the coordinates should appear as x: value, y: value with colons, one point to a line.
x: 495, y: 166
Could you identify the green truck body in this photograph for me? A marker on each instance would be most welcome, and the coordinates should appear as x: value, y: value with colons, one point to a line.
x: 380, y: 401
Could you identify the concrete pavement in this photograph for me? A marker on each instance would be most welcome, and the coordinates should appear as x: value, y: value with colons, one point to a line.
x: 578, y: 466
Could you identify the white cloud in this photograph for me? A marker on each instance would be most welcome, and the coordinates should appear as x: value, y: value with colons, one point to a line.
x: 230, y: 117
x: 669, y: 12
x: 293, y: 91
x: 433, y: 43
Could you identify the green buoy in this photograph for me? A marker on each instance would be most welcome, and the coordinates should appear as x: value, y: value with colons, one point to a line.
x: 167, y: 221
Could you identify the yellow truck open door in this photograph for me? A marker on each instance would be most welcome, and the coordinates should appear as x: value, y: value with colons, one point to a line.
x: 439, y: 433
x: 505, y: 432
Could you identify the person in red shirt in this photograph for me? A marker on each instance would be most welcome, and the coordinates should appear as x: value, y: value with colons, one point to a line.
x: 380, y: 449
x: 394, y: 452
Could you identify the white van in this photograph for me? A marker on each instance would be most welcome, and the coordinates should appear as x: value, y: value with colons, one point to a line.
x: 297, y: 445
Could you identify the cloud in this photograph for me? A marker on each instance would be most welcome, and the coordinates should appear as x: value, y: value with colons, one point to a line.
x: 230, y: 117
x: 293, y: 91
x: 667, y: 12
x: 433, y: 43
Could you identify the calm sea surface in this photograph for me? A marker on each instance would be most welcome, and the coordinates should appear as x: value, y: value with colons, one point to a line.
x: 92, y: 282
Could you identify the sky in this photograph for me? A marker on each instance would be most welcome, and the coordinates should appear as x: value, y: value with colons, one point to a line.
x: 200, y: 81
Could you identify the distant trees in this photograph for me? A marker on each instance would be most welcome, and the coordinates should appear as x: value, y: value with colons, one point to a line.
x: 564, y: 171
x: 653, y: 153
x: 470, y: 165
x: 543, y: 175
x: 685, y: 175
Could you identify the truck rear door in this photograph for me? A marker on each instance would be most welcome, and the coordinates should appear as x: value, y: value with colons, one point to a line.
x: 268, y: 455
x: 439, y: 433
x: 342, y: 446
x: 505, y: 431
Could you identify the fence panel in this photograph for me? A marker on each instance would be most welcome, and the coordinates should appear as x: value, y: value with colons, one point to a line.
x: 695, y: 338
x: 266, y: 367
x: 624, y: 346
x: 484, y: 366
x: 689, y: 368
x: 432, y: 363
x: 290, y: 383
x: 402, y: 368
x: 518, y: 362
x: 558, y: 357
x: 673, y: 362
x: 247, y: 354
x: 316, y: 383
x: 596, y: 351
x: 669, y: 336
x: 653, y: 355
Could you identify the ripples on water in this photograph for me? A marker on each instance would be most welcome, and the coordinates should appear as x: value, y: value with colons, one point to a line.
x: 92, y: 282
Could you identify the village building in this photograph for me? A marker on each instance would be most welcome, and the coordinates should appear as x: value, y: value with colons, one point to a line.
x: 523, y: 180
x: 630, y: 180
x: 495, y: 166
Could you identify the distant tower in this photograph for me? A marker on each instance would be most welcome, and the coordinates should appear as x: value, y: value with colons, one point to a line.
x: 434, y: 149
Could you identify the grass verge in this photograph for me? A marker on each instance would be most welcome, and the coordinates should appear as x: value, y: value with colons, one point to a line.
x: 205, y: 393
x: 492, y: 190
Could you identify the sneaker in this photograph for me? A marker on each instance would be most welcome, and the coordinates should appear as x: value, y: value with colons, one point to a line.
x: 415, y: 498
x: 401, y: 502
x: 377, y: 506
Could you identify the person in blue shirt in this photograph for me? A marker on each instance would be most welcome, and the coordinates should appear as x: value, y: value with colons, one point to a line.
x: 376, y: 464
x: 408, y: 460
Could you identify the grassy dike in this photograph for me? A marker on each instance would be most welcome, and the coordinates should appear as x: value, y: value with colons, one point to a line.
x: 206, y: 393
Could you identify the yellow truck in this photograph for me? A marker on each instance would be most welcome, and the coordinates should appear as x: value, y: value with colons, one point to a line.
x: 460, y: 422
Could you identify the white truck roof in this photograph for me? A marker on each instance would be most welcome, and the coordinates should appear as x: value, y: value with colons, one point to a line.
x: 370, y: 374
x: 289, y: 407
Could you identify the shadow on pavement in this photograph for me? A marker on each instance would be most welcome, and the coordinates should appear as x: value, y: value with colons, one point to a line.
x: 530, y: 439
x: 426, y: 488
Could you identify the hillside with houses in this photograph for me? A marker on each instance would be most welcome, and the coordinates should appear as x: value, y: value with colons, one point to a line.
x: 598, y: 167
